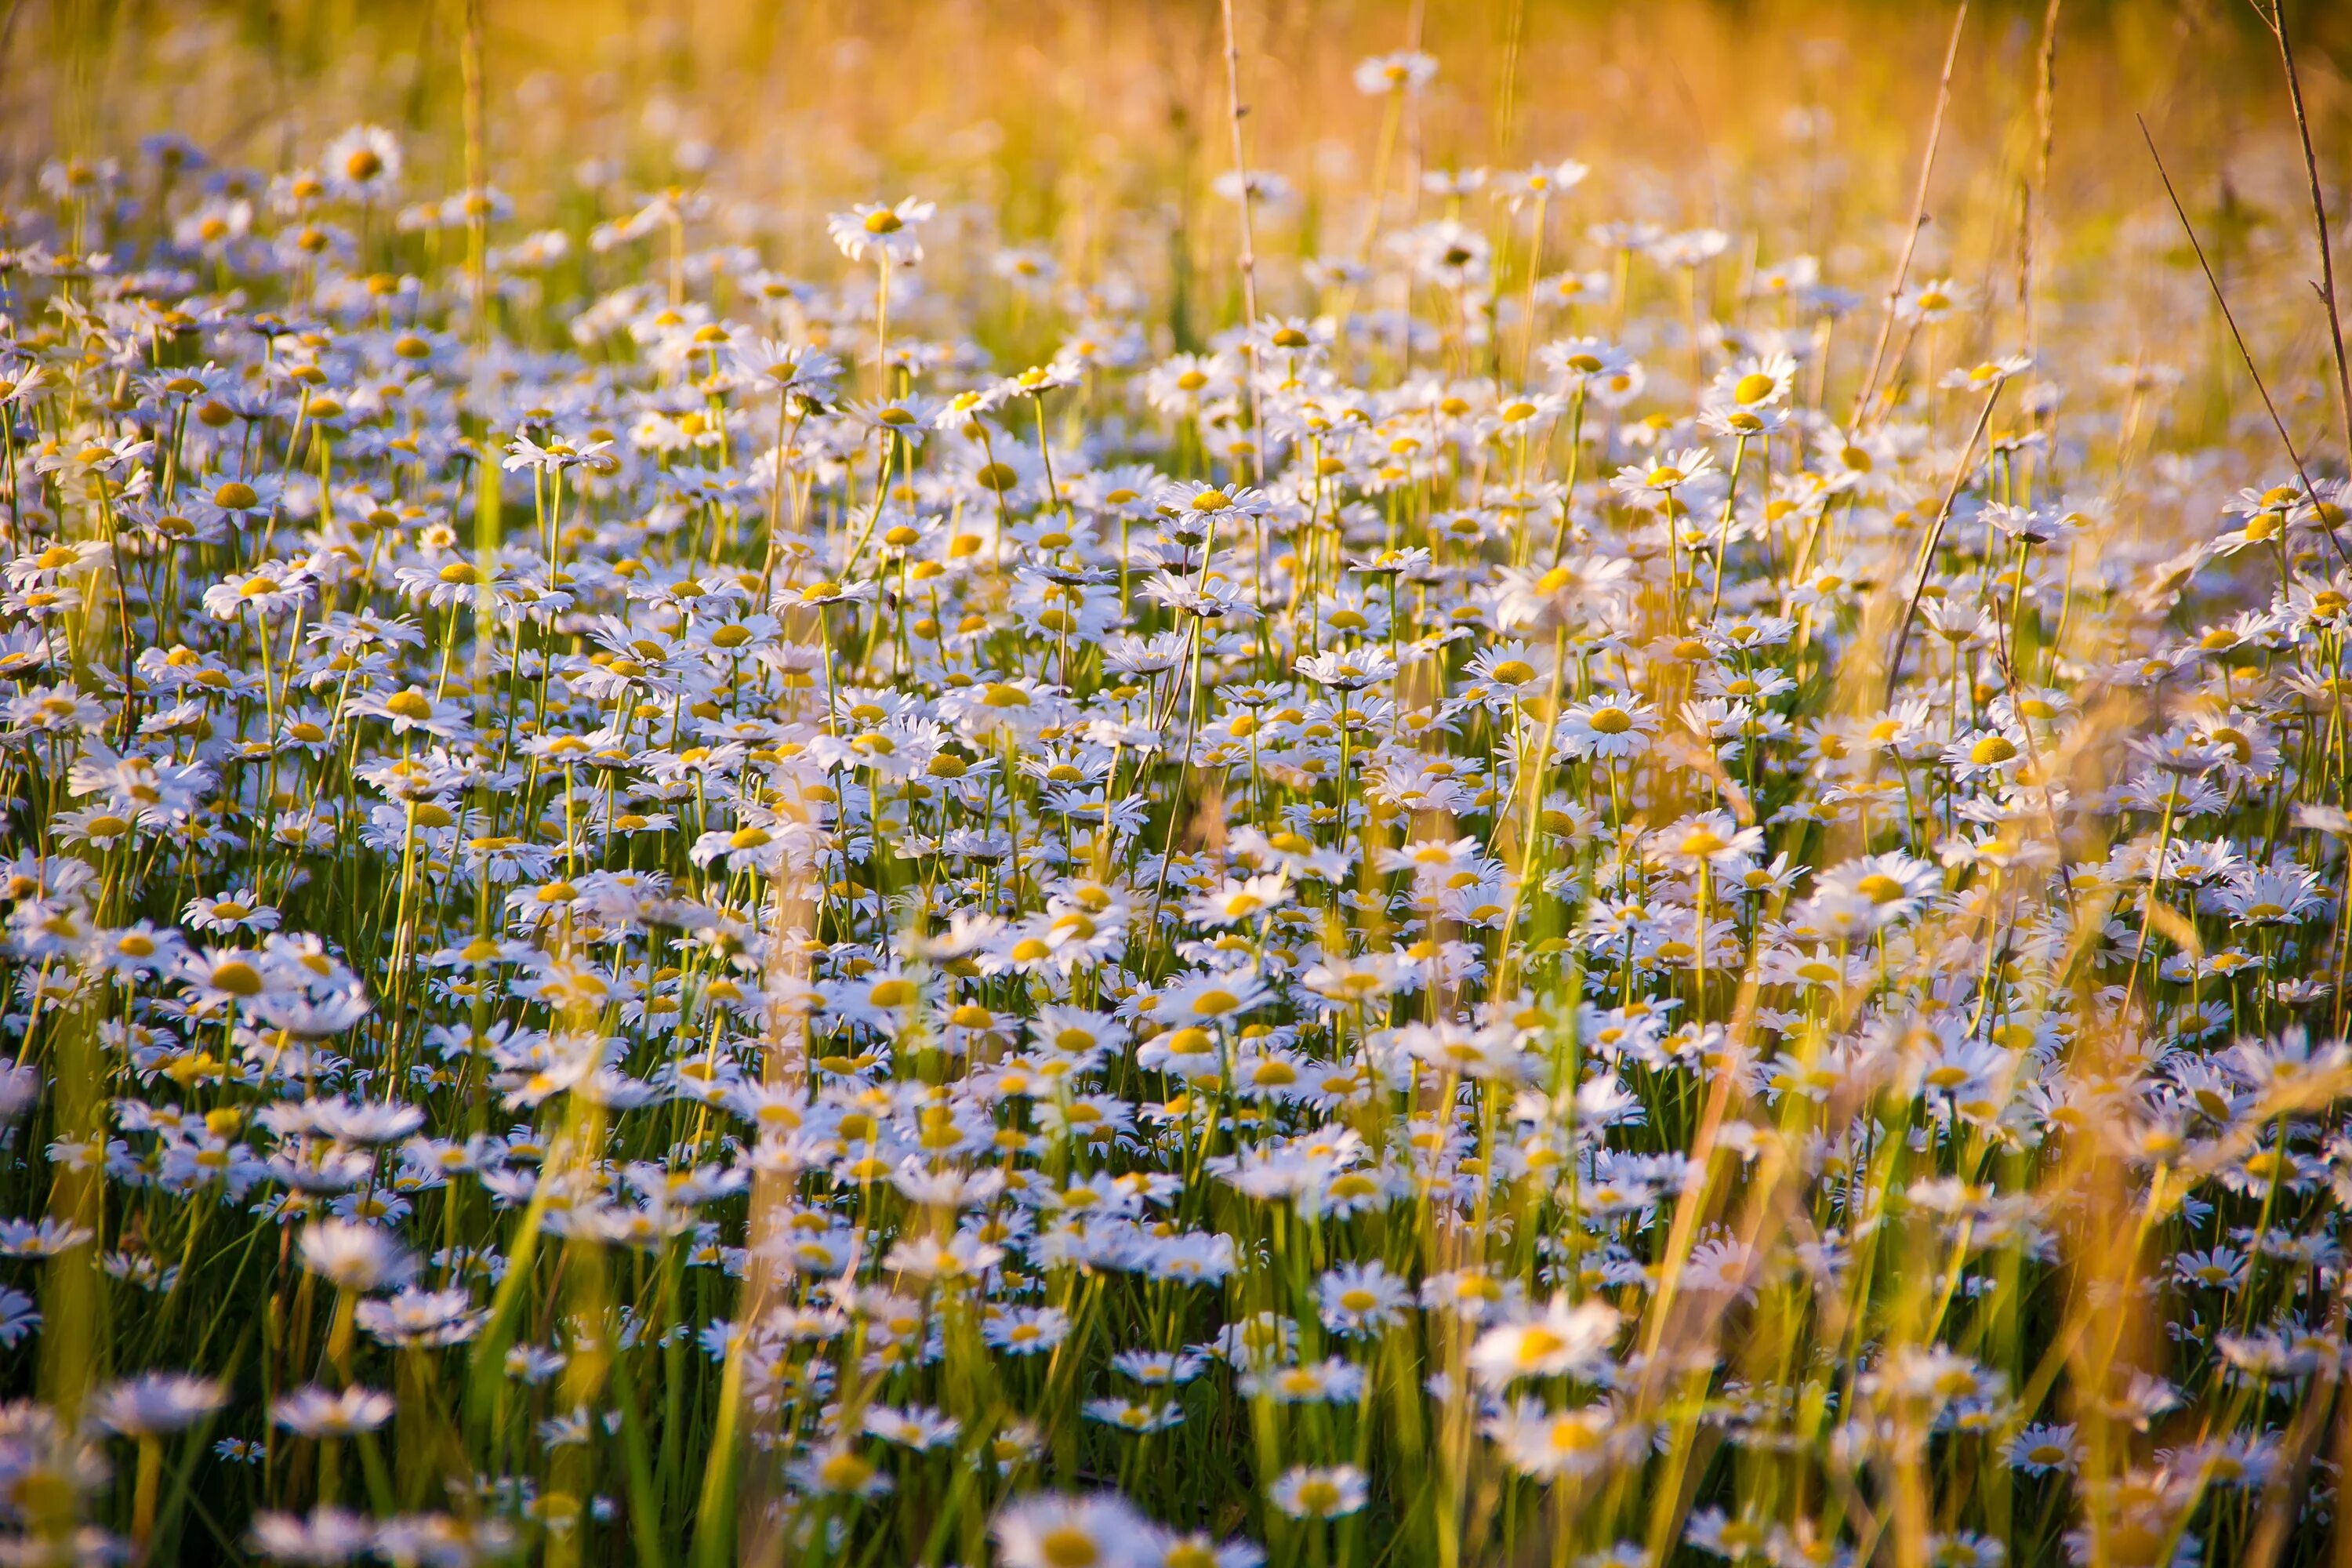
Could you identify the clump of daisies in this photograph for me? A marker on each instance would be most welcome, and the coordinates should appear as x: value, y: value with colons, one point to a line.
x: 1571, y: 894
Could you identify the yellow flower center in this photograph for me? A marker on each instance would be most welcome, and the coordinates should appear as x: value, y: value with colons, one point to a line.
x: 1069, y: 1547
x: 845, y: 1473
x: 238, y: 978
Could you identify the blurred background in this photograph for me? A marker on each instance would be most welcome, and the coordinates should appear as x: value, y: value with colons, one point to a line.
x: 1095, y: 129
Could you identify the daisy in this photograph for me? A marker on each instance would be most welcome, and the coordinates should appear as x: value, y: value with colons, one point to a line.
x: 1094, y: 1530
x: 364, y: 164
x: 885, y: 234
x: 332, y: 1413
x: 352, y: 1256
x: 1361, y: 1299
x: 1405, y: 71
x: 1609, y: 728
x: 1207, y: 1000
x: 325, y: 1536
x: 240, y: 911
x: 1567, y: 1339
x: 1239, y: 900
x: 1307, y: 1491
x: 156, y: 1403
x: 1548, y: 1444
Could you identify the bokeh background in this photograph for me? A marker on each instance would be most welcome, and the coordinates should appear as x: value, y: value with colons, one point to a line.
x: 1096, y: 128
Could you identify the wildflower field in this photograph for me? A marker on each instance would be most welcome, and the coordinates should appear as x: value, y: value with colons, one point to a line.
x: 1175, y: 784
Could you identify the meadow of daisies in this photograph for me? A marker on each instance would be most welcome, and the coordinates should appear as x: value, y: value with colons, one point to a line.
x: 1423, y: 860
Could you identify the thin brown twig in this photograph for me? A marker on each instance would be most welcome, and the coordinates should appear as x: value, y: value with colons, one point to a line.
x: 2283, y: 1498
x: 2276, y: 22
x: 1248, y: 258
x: 471, y: 67
x: 2037, y: 184
x: 1933, y: 541
x: 2244, y: 351
x: 1918, y: 216
x: 1506, y: 117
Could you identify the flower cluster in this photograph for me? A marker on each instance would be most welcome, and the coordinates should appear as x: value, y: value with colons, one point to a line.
x: 1531, y: 911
